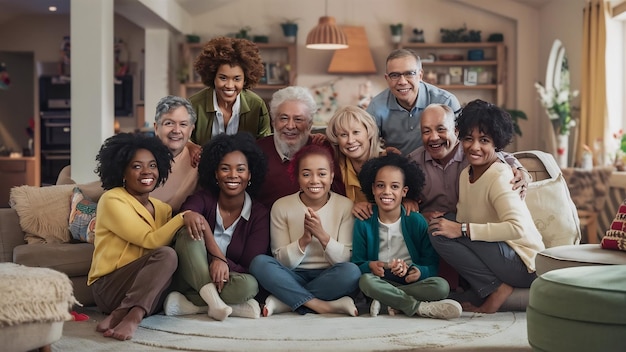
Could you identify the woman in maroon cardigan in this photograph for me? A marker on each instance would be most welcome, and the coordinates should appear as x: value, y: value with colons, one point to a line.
x: 213, y: 263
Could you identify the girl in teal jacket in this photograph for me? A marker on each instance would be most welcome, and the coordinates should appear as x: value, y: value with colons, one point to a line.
x: 393, y: 251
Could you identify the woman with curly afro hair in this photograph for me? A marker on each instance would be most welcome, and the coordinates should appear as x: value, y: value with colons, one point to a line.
x: 229, y: 67
x: 214, y: 270
x: 132, y: 264
x: 494, y: 242
x: 397, y: 262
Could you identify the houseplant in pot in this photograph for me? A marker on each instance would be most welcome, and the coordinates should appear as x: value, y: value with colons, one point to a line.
x: 396, y: 32
x: 290, y: 30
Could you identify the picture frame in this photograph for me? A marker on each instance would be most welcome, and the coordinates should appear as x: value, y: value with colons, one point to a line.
x: 456, y: 74
x: 471, y: 76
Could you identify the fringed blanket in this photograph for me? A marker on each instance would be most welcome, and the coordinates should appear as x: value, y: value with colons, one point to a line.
x: 34, y: 295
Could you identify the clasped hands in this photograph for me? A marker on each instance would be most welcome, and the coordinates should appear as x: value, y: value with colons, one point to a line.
x: 397, y: 267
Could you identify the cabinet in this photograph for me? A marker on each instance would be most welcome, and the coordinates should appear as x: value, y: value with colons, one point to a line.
x: 280, y: 68
x: 15, y: 172
x: 448, y: 66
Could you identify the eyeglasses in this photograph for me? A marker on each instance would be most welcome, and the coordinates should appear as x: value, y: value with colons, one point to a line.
x: 394, y: 76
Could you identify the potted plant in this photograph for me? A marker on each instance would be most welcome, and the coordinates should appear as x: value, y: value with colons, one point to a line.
x: 243, y: 33
x: 290, y: 30
x: 517, y: 115
x: 396, y: 32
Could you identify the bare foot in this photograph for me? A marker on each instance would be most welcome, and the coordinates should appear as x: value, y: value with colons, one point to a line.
x: 126, y: 328
x: 393, y: 311
x: 111, y: 320
x: 495, y: 300
x: 468, y: 307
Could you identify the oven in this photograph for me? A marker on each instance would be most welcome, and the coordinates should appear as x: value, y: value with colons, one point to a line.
x: 55, y: 144
x: 55, y: 130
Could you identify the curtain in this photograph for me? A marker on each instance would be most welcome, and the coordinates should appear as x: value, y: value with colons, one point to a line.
x: 593, y: 106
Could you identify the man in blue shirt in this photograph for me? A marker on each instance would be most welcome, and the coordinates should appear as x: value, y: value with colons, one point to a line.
x: 398, y: 109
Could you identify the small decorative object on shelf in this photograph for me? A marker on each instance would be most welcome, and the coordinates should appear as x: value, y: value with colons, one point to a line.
x: 396, y: 32
x: 418, y: 36
x: 290, y: 30
x: 192, y: 38
x: 243, y: 33
x: 260, y: 39
x: 460, y: 35
x: 495, y: 37
x: 5, y: 80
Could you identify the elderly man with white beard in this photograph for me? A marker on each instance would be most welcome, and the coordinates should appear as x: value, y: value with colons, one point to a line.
x: 291, y: 111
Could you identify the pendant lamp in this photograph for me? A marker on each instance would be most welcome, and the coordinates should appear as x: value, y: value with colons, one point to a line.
x: 326, y: 35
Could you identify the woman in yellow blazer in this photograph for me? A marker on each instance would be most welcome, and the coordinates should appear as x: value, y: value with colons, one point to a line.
x: 132, y: 264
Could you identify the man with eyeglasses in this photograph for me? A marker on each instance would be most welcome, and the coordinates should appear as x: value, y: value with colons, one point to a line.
x: 173, y: 123
x: 398, y: 109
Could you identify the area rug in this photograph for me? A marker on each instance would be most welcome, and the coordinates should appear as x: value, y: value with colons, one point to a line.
x: 504, y: 331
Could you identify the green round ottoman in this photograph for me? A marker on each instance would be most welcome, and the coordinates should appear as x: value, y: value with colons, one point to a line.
x: 578, y: 309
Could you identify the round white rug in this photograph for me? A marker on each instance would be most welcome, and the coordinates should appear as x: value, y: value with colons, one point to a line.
x: 314, y: 332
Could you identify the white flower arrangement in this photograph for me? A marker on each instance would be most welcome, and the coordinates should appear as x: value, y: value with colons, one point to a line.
x: 557, y: 105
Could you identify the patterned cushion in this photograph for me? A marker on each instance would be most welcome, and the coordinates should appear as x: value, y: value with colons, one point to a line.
x: 615, y: 237
x: 82, y: 217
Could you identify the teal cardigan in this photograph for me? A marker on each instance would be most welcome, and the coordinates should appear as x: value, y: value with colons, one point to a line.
x: 253, y: 115
x: 366, y: 243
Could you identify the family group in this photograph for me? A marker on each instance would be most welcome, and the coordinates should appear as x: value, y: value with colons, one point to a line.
x: 236, y: 211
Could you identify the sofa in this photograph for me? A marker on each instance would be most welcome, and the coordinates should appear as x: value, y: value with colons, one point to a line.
x: 34, y: 232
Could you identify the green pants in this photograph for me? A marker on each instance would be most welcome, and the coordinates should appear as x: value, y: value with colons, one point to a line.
x: 193, y: 273
x: 405, y: 298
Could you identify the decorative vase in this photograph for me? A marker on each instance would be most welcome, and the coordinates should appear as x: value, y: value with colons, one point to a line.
x: 290, y: 30
x: 562, y: 148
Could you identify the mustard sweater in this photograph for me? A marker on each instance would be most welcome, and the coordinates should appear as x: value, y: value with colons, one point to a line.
x: 125, y: 231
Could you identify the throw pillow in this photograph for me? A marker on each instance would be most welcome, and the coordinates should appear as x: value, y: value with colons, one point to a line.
x: 43, y: 212
x: 549, y: 200
x: 82, y: 216
x: 615, y: 237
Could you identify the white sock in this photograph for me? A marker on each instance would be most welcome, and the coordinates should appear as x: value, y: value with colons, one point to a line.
x: 218, y: 310
x: 248, y: 309
x: 177, y: 304
x: 374, y: 308
x: 274, y: 306
x: 344, y: 305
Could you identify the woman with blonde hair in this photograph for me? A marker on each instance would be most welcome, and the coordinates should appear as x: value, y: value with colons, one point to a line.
x: 355, y: 138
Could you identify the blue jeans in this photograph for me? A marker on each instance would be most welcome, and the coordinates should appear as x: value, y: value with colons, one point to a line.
x: 298, y: 286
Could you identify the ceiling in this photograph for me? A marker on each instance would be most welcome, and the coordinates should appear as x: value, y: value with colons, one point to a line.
x: 12, y: 8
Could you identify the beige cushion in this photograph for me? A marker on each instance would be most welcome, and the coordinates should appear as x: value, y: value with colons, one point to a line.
x: 44, y: 212
x: 549, y: 201
x: 576, y: 255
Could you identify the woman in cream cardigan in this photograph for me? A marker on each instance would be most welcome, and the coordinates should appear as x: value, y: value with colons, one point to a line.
x: 494, y: 243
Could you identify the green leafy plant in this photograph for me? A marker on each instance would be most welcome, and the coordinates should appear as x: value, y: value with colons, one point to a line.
x: 396, y: 29
x: 517, y: 115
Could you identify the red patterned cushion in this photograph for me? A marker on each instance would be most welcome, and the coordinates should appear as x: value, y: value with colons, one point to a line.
x: 615, y: 237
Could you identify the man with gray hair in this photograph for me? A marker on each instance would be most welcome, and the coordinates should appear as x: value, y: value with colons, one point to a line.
x: 442, y: 159
x: 398, y: 109
x: 174, y: 121
x: 291, y: 112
